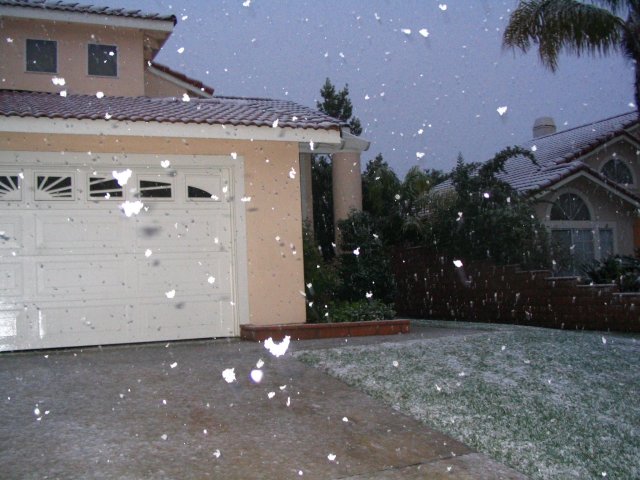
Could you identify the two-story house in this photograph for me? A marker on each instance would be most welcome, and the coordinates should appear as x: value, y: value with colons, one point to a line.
x: 134, y: 204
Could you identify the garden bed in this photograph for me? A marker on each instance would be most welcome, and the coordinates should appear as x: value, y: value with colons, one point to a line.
x: 311, y: 331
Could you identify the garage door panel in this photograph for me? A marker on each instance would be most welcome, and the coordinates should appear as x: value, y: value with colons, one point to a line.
x: 187, y: 318
x: 11, y: 232
x: 76, y: 231
x: 186, y: 275
x: 207, y: 229
x: 10, y: 320
x: 11, y: 278
x: 77, y: 324
x: 81, y: 278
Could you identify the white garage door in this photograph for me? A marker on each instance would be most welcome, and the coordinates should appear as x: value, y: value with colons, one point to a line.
x: 75, y: 270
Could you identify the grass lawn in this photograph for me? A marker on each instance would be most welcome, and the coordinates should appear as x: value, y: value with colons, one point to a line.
x: 552, y: 404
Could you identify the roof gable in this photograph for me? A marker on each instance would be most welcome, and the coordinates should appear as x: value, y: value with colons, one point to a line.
x: 558, y: 154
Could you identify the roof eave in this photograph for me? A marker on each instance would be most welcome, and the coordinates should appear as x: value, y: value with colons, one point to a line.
x: 160, y: 24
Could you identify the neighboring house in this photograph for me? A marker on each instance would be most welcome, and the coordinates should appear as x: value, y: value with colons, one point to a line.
x: 222, y: 183
x: 586, y: 187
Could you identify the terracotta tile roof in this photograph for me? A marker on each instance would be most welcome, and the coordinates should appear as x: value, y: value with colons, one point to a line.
x: 217, y: 110
x: 78, y: 8
x: 182, y: 77
x: 558, y: 155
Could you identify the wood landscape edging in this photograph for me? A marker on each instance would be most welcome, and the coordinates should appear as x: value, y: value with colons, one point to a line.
x: 312, y: 331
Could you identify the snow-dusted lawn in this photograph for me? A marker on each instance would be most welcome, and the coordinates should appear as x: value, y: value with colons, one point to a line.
x: 552, y: 404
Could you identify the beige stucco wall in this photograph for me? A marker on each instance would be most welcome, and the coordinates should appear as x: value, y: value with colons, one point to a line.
x: 273, y: 215
x: 155, y: 86
x: 607, y: 209
x: 73, y: 40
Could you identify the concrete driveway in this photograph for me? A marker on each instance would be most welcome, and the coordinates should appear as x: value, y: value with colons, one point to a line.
x: 165, y: 411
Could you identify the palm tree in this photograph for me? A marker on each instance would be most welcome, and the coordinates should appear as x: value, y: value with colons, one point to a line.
x: 594, y: 27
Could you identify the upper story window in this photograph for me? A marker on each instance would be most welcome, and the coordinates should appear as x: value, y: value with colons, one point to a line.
x: 618, y: 171
x: 570, y: 206
x: 103, y: 60
x: 42, y: 56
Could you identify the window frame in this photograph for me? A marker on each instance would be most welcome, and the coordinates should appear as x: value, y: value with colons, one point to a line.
x: 117, y: 69
x: 26, y: 56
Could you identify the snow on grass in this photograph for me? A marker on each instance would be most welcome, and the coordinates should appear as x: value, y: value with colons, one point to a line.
x: 552, y: 404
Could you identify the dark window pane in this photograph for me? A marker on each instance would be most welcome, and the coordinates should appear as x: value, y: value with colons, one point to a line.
x: 153, y: 189
x: 570, y: 206
x: 103, y: 60
x: 42, y: 56
x: 195, y: 192
x: 617, y: 171
x: 50, y: 187
x: 100, y: 187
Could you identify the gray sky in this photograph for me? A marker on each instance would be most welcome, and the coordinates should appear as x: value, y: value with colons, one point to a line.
x: 448, y: 85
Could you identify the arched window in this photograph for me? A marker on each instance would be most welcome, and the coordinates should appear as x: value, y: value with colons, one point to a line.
x: 570, y: 206
x: 618, y: 171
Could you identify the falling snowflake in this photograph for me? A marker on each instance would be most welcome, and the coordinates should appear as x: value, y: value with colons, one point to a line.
x: 174, y: 365
x: 345, y: 419
x: 229, y: 375
x: 368, y: 294
x: 424, y: 32
x: 185, y: 97
x: 534, y: 148
x: 260, y: 363
x: 331, y: 457
x: 184, y: 17
x: 148, y: 252
x: 292, y: 173
x: 311, y: 145
x: 165, y: 163
x: 181, y: 50
x: 275, y: 123
x: 163, y: 436
x: 502, y: 110
x: 442, y: 6
x: 107, y: 116
x: 604, y: 340
x: 234, y: 155
x: 419, y: 154
x: 122, y: 177
x: 457, y: 263
x: 406, y: 31
x: 270, y: 395
x: 395, y: 363
x: 131, y: 208
x: 216, y: 453
x: 63, y: 93
x: 58, y: 81
x: 246, y: 3
x: 245, y: 199
x: 211, y: 280
x: 277, y: 349
x: 170, y: 293
x: 256, y: 375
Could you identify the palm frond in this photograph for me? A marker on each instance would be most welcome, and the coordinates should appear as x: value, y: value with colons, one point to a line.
x: 565, y: 25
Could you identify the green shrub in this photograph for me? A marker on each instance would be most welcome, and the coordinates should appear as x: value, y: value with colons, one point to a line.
x: 322, y: 279
x: 364, y: 262
x: 623, y: 271
x: 360, y: 311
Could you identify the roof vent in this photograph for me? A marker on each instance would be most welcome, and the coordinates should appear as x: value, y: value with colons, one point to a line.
x: 543, y: 126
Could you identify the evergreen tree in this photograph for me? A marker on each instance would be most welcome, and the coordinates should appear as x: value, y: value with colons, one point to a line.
x: 338, y: 105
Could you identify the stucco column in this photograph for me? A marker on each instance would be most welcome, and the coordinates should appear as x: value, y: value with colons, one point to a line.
x: 306, y: 192
x: 347, y: 184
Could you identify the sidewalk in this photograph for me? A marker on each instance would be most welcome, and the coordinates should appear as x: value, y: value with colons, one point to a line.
x: 164, y: 411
